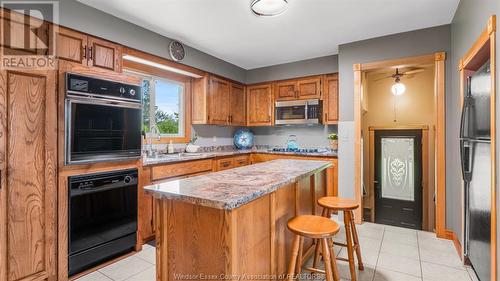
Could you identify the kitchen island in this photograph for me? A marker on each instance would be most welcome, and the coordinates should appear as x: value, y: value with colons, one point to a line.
x: 231, y: 224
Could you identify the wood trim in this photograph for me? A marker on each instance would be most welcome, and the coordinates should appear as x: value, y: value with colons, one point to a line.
x: 438, y: 59
x: 440, y: 146
x: 392, y: 127
x: 450, y: 235
x: 358, y: 213
x: 371, y: 165
x: 425, y: 181
x: 401, y: 62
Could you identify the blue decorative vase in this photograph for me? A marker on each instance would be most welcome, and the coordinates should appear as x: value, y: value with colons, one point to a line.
x: 243, y: 139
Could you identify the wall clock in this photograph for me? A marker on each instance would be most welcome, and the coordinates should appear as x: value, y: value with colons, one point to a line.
x: 176, y: 50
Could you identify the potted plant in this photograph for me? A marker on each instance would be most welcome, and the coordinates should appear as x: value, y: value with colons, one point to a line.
x: 191, y: 147
x: 334, y: 141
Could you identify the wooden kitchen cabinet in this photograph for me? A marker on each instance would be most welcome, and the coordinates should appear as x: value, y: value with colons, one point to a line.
x: 240, y: 161
x: 224, y: 164
x: 331, y: 99
x: 28, y: 164
x: 309, y: 88
x: 87, y: 50
x: 285, y: 90
x: 238, y: 105
x: 22, y: 35
x: 217, y: 101
x: 260, y: 108
x: 298, y: 89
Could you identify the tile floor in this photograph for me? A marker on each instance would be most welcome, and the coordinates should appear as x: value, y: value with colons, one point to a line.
x: 389, y: 254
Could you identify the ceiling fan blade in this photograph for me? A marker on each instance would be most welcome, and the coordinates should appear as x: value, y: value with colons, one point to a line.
x: 414, y: 71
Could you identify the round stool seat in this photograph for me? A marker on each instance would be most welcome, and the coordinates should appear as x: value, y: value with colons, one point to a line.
x: 337, y: 203
x: 313, y: 226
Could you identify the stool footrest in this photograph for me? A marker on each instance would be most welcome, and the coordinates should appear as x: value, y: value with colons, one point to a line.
x: 339, y: 244
x: 312, y: 269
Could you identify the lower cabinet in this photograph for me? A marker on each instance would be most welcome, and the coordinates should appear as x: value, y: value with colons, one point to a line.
x: 164, y: 172
x: 28, y: 164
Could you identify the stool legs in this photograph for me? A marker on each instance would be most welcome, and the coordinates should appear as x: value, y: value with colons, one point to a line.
x: 326, y: 257
x: 356, y: 242
x: 350, y: 252
x: 334, y: 261
x: 293, y: 258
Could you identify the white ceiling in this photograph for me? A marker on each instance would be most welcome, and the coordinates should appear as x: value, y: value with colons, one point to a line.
x: 227, y: 29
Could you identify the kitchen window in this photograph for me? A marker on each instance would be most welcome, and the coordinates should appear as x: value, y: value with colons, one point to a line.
x: 164, y: 108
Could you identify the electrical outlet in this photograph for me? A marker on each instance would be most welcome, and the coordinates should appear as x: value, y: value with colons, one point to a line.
x: 214, y: 138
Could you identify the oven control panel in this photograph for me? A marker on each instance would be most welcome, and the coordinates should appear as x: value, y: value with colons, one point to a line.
x: 91, y: 86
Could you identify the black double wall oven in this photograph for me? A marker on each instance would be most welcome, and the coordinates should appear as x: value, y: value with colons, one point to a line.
x: 103, y: 124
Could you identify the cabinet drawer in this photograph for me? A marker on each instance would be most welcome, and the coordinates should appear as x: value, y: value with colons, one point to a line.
x: 225, y: 164
x: 240, y: 161
x: 180, y: 169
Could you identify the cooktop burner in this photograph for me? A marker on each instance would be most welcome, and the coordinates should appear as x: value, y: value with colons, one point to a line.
x: 297, y: 150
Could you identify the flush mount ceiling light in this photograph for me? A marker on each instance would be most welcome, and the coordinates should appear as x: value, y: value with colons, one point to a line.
x: 269, y: 8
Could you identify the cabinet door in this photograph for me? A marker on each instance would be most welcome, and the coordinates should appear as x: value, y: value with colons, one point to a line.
x: 71, y: 46
x: 330, y: 100
x: 260, y: 105
x: 28, y: 191
x: 238, y: 106
x: 145, y: 206
x: 219, y: 96
x: 22, y: 35
x: 199, y: 101
x: 286, y: 90
x: 104, y: 54
x: 309, y: 88
x: 225, y: 164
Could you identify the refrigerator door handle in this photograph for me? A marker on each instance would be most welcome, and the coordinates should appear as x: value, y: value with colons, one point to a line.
x: 466, y: 156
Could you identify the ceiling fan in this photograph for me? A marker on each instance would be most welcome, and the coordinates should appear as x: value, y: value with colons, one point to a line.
x: 397, y: 76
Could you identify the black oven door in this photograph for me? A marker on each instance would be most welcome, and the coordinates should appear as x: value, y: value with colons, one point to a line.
x: 101, y: 130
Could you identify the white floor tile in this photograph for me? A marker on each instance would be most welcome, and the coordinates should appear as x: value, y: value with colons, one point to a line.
x: 436, y: 272
x: 437, y: 244
x: 402, y: 230
x: 398, y: 249
x: 147, y: 275
x: 441, y: 257
x: 125, y: 268
x: 389, y: 275
x: 368, y: 257
x: 369, y: 244
x: 148, y: 254
x: 399, y: 264
x: 409, y: 238
x: 362, y: 275
x: 375, y: 233
x: 94, y: 276
x: 425, y: 235
x: 472, y: 274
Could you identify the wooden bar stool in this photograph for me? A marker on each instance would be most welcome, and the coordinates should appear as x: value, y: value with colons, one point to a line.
x: 331, y: 204
x: 322, y: 230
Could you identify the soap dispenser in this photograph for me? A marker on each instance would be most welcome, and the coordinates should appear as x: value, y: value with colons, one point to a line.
x: 170, y: 148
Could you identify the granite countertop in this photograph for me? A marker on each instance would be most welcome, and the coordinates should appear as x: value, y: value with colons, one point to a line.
x: 162, y: 159
x: 233, y: 188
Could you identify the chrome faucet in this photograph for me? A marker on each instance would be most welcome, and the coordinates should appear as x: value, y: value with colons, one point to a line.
x: 153, y: 132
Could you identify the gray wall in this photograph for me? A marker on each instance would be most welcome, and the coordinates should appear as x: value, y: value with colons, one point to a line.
x: 92, y: 21
x: 307, y: 136
x: 321, y: 65
x: 469, y: 21
x: 414, y: 43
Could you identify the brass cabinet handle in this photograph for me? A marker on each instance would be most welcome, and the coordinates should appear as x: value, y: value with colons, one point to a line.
x: 85, y: 52
x: 90, y: 53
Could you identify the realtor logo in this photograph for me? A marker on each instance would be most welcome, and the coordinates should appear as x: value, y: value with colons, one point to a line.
x: 28, y: 37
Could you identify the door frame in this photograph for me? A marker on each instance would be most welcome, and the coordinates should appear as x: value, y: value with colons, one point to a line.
x: 438, y: 59
x: 486, y: 41
x: 425, y: 167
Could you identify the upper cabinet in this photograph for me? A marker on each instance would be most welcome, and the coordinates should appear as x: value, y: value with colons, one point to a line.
x: 87, y: 50
x: 331, y: 99
x: 260, y: 105
x: 218, y: 102
x: 16, y: 41
x: 298, y: 89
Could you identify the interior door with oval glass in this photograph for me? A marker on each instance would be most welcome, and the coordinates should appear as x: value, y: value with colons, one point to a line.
x: 398, y: 178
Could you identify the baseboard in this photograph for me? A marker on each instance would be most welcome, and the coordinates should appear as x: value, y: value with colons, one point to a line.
x: 450, y: 235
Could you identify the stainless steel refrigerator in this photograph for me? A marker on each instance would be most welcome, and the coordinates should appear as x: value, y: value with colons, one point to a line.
x: 475, y: 149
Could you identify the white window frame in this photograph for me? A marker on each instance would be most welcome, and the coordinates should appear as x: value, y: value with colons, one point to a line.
x: 152, y: 101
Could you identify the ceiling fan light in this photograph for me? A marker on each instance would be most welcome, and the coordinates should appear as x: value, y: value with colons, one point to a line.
x: 398, y: 89
x: 269, y: 8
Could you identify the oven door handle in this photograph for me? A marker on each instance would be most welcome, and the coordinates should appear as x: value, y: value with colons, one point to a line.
x: 104, y: 102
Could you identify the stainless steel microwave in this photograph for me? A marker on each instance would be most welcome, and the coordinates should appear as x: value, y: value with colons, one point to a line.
x: 298, y: 112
